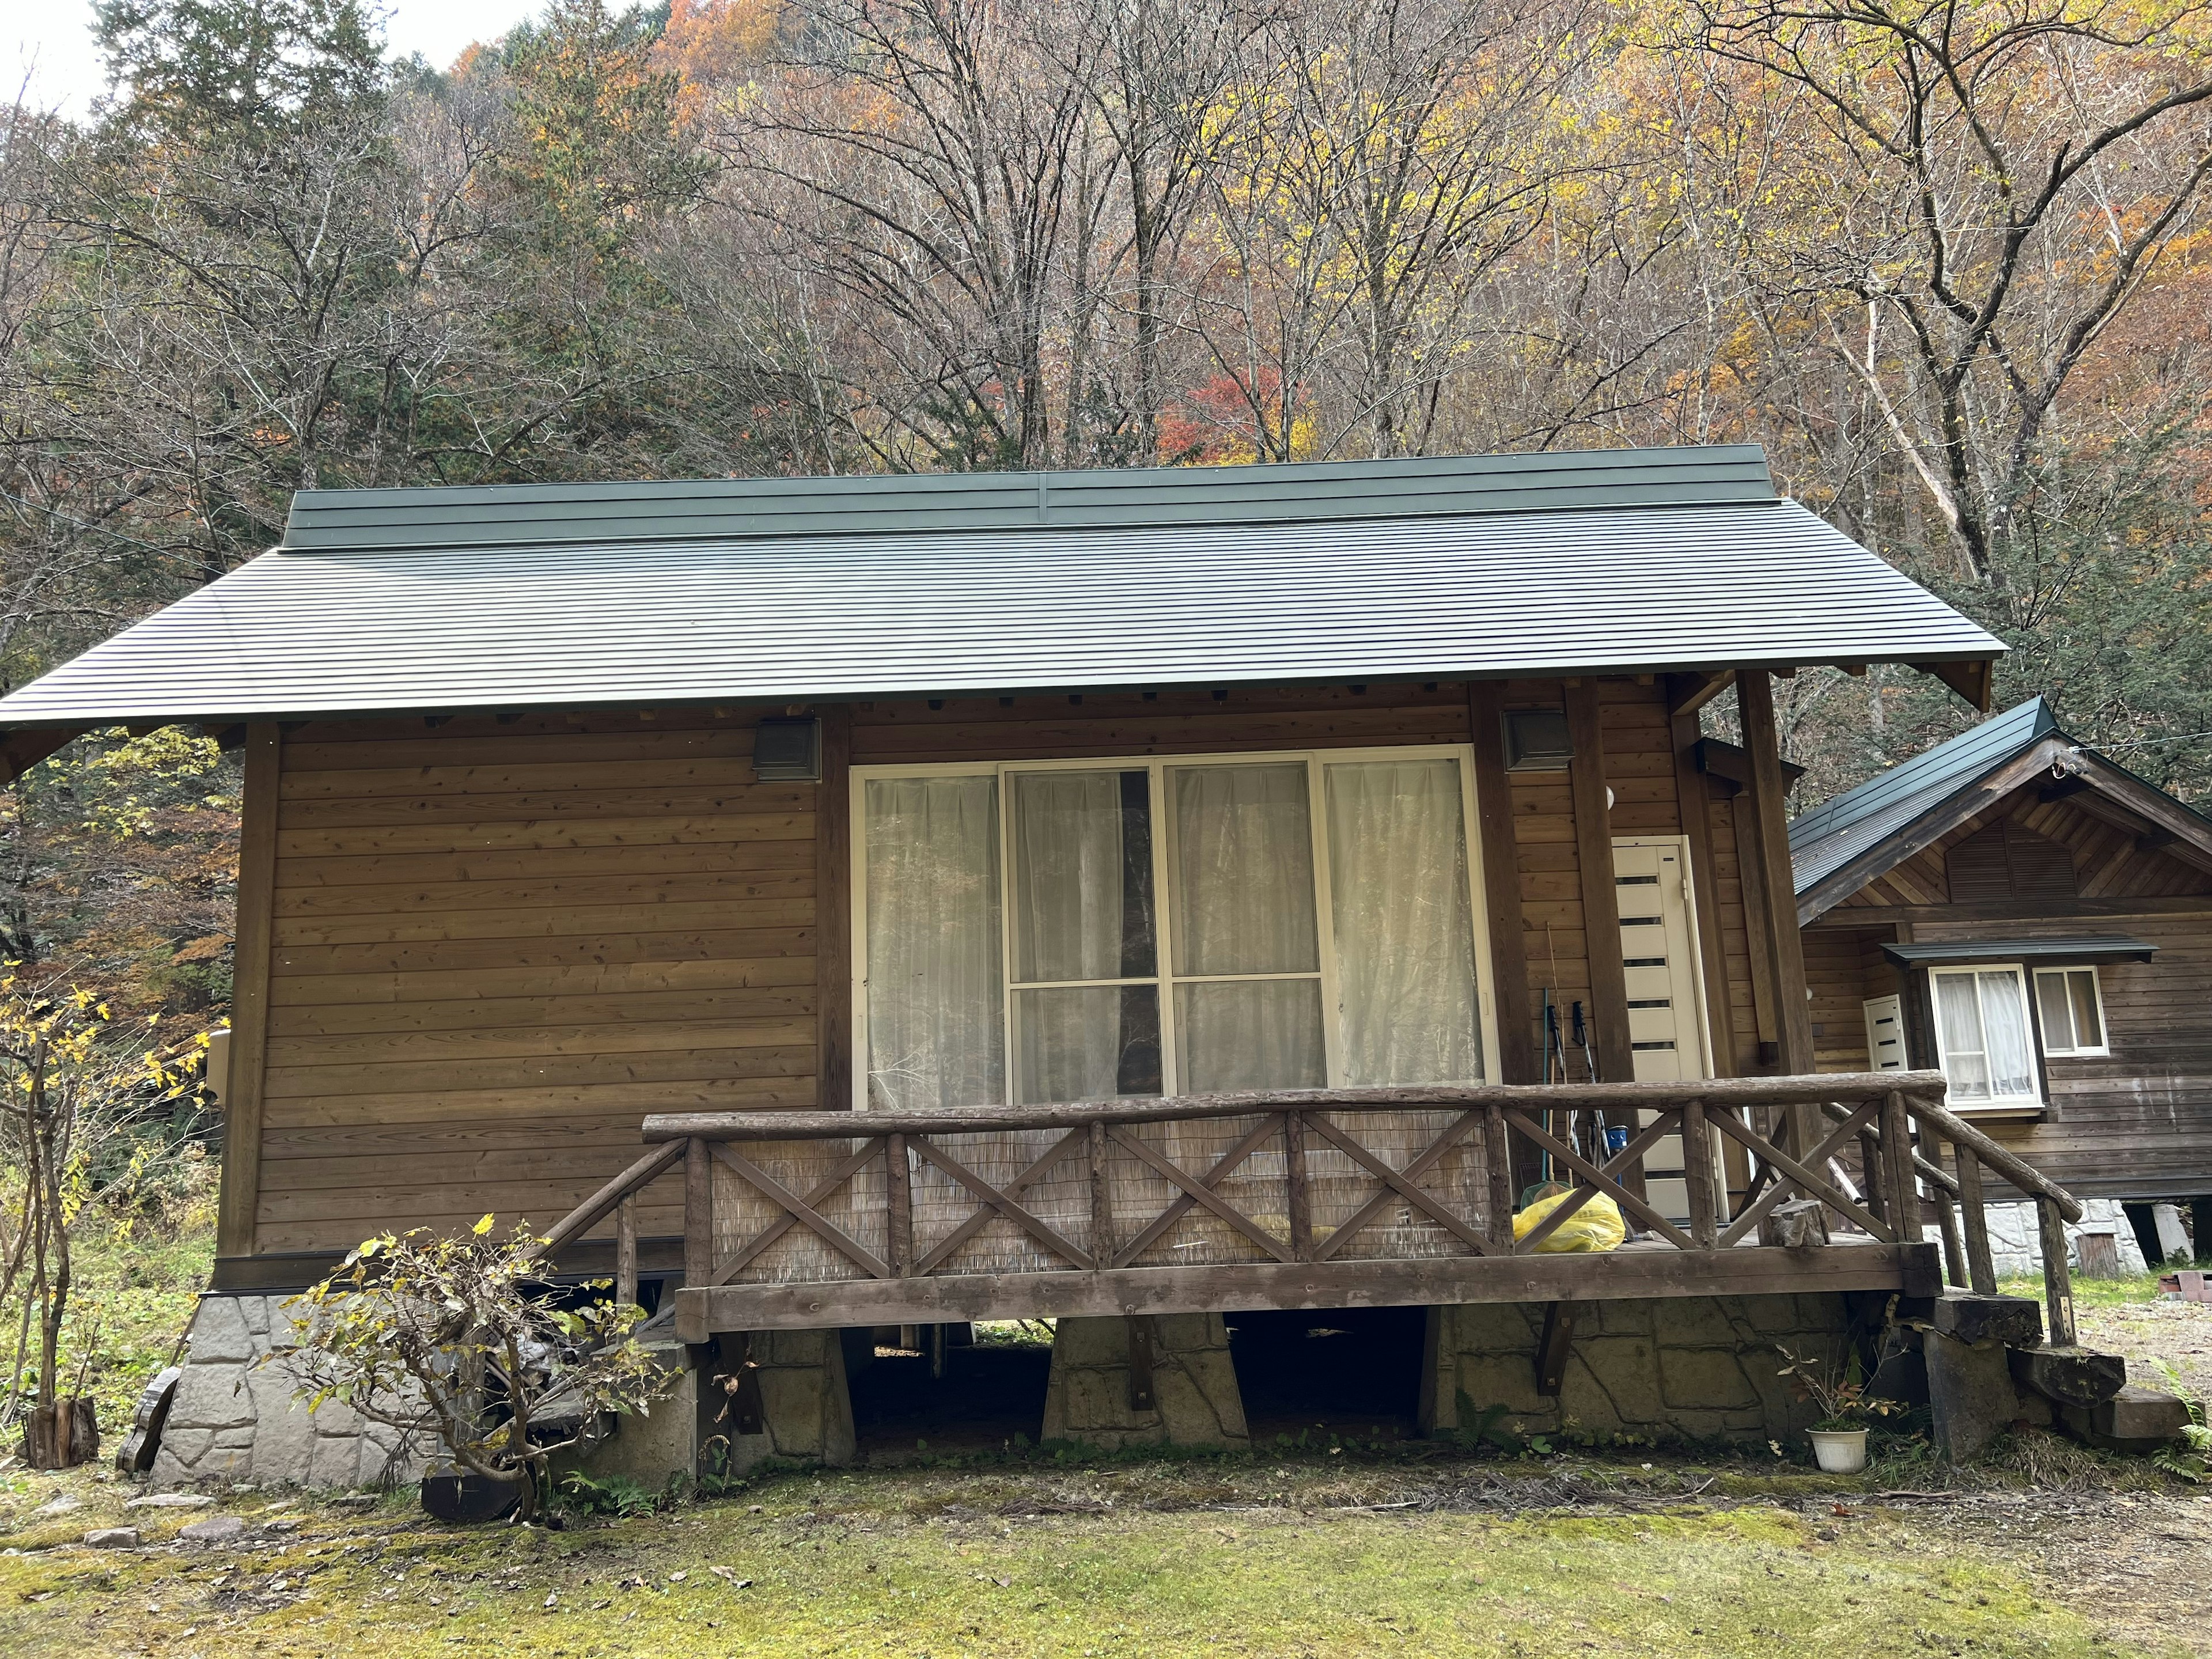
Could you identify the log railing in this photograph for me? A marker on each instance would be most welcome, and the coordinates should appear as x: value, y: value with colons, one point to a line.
x: 1097, y: 1187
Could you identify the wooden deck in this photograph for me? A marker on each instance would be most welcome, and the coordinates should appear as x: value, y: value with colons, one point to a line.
x: 1309, y: 1199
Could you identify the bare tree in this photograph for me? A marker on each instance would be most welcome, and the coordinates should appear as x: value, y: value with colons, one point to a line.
x: 2005, y: 177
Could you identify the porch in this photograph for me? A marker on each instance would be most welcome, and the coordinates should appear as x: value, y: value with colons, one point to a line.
x: 1320, y: 1199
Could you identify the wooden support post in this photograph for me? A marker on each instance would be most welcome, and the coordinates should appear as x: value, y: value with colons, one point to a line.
x: 698, y: 1213
x: 1600, y: 894
x: 238, y: 1214
x: 898, y: 1199
x: 1298, y: 1201
x: 1981, y: 1269
x: 1501, y: 884
x: 1777, y: 922
x: 1693, y: 798
x: 1105, y: 1246
x: 1498, y: 1151
x: 833, y: 914
x: 626, y: 1252
x: 1142, y: 1397
x: 1904, y: 1192
x: 1552, y: 1348
x: 1698, y: 1173
x: 2057, y: 1273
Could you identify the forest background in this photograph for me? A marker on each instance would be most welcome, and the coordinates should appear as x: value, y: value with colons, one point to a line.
x: 1946, y: 259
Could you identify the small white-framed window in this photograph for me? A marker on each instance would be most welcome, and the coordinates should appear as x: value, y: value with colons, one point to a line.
x: 2072, y: 1011
x: 1982, y: 1031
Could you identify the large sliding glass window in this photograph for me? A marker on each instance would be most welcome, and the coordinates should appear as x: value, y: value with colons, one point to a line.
x: 1058, y: 932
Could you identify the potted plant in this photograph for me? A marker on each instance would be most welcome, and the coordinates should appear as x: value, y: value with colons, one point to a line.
x: 1839, y: 1393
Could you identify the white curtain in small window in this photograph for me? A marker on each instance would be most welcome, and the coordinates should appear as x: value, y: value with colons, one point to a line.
x: 1982, y: 1019
x: 935, y: 1008
x: 1958, y: 1015
x: 1405, y: 941
x: 2004, y: 1025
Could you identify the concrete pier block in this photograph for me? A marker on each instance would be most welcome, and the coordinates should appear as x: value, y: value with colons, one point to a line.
x: 1196, y: 1399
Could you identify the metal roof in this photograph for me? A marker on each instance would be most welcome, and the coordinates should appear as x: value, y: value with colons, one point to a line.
x: 1103, y: 498
x: 424, y: 615
x: 2101, y: 947
x: 1830, y: 835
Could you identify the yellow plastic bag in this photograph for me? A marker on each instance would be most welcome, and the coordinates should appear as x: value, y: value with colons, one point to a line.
x: 1596, y: 1226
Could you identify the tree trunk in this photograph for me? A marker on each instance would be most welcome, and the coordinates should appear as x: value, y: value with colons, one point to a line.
x: 62, y: 1435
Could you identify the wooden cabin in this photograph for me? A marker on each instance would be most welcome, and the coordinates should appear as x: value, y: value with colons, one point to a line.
x: 2021, y: 912
x: 897, y: 901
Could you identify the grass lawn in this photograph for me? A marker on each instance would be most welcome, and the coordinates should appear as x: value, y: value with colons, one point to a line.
x: 1243, y: 1555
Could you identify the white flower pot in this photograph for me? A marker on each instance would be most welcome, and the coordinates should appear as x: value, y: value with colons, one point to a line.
x: 1839, y: 1452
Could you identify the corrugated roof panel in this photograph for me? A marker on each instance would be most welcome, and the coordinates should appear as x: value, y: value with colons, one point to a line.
x: 1969, y: 755
x: 1125, y: 498
x: 1651, y: 590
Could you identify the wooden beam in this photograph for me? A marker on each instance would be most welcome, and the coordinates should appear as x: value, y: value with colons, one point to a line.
x: 1693, y: 800
x: 1750, y: 873
x: 1970, y: 680
x: 238, y: 1209
x: 1882, y: 915
x: 1609, y: 975
x: 1785, y: 947
x: 1552, y: 1348
x: 1688, y: 693
x: 1501, y: 884
x: 25, y: 746
x: 1632, y: 1272
x: 833, y: 914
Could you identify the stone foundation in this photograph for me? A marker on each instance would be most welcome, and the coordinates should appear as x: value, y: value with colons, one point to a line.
x: 2016, y: 1243
x: 1194, y: 1389
x: 234, y: 1419
x: 1671, y: 1369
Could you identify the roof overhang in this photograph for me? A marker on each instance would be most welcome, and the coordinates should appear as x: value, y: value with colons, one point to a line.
x: 1689, y: 589
x: 1966, y: 952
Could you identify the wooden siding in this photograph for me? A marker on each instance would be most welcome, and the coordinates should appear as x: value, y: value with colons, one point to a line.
x: 2136, y: 1123
x: 497, y: 945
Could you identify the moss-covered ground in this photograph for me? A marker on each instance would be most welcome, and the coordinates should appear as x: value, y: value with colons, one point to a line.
x: 1442, y: 1553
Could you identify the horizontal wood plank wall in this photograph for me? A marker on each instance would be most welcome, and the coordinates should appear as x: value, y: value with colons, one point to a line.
x: 2136, y: 1123
x: 498, y: 945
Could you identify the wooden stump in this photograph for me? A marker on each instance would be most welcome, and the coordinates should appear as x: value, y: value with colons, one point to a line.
x: 2101, y: 1254
x: 61, y: 1436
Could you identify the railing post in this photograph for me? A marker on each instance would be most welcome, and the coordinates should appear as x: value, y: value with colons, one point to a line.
x: 626, y: 1253
x: 1954, y: 1247
x: 1870, y: 1171
x: 1298, y: 1200
x: 2058, y: 1273
x: 1104, y: 1245
x: 1498, y: 1152
x: 1904, y: 1194
x: 1981, y: 1270
x: 898, y: 1198
x: 698, y: 1213
x: 1698, y: 1173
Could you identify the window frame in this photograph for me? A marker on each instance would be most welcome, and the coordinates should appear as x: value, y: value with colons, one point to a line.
x: 2096, y: 990
x: 2033, y: 1100
x: 1157, y: 765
